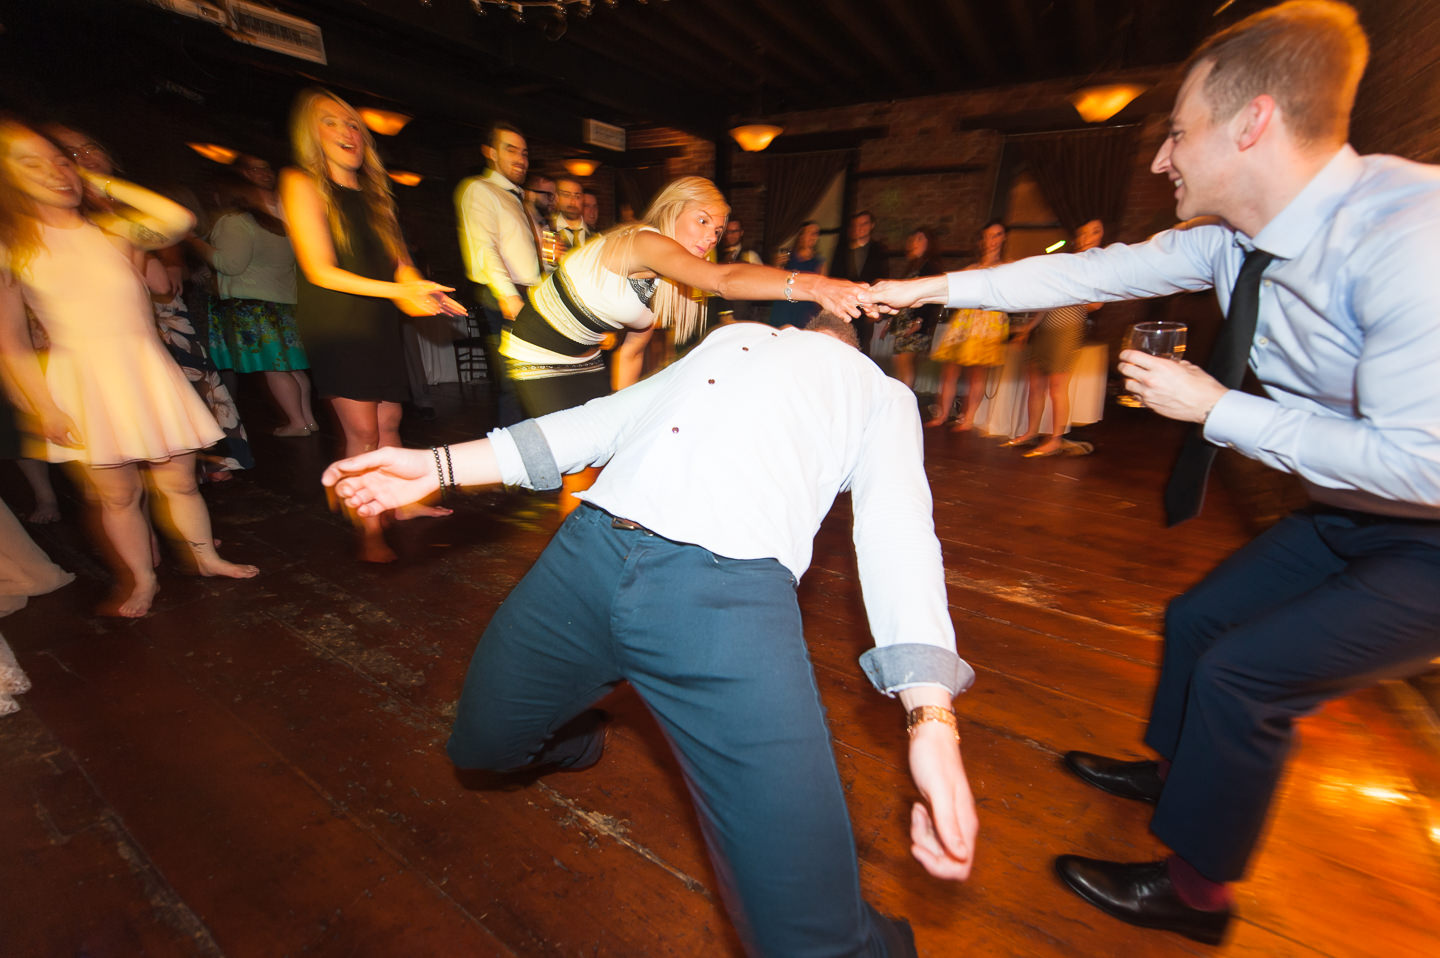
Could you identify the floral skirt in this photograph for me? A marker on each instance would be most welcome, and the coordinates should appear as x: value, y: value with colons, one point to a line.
x: 253, y: 336
x: 184, y: 345
x: 972, y: 337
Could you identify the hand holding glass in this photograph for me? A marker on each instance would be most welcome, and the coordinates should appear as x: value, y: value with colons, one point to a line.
x: 1166, y: 340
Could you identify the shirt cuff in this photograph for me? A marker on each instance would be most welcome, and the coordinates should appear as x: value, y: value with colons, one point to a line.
x: 537, y: 462
x: 963, y: 290
x: 1237, y: 420
x: 894, y: 668
x: 523, y: 455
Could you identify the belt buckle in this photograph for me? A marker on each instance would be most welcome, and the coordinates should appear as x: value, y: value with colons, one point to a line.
x: 618, y: 523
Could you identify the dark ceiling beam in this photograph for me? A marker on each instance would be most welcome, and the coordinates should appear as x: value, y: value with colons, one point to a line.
x: 778, y: 31
x: 827, y: 140
x: 978, y: 51
x: 923, y: 39
x: 1026, y: 39
x: 740, y: 53
x: 681, y: 69
x: 1086, y: 34
x: 629, y: 91
x: 876, y: 43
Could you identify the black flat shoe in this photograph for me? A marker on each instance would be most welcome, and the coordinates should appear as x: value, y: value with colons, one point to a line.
x: 1138, y: 780
x: 1141, y: 894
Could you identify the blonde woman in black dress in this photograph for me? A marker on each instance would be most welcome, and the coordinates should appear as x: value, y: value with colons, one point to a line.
x: 354, y: 272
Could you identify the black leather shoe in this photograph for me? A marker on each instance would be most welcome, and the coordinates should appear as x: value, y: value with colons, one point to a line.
x: 1137, y: 780
x: 1141, y: 894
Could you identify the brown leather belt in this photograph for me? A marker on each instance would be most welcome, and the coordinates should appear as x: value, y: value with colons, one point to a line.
x: 618, y: 523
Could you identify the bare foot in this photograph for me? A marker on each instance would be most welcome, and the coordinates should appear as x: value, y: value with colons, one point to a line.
x: 938, y: 421
x: 375, y: 549
x: 133, y: 606
x: 418, y: 510
x: 291, y: 432
x: 961, y: 426
x: 44, y: 513
x: 216, y: 566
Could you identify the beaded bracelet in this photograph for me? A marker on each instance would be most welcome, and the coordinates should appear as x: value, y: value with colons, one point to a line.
x: 790, y: 287
x: 440, y: 472
x: 449, y: 465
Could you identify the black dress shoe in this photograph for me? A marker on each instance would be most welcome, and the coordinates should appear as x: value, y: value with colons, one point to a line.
x: 1141, y: 894
x: 1137, y: 780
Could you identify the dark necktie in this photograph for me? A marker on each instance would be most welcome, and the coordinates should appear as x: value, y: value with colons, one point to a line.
x: 534, y: 234
x: 1186, y: 489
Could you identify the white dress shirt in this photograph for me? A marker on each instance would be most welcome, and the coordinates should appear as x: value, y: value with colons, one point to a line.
x: 742, y: 447
x: 497, y: 236
x: 1347, y: 345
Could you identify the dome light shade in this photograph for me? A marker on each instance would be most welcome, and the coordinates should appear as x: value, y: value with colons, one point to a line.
x: 215, y: 152
x: 754, y: 137
x: 581, y: 166
x: 406, y: 178
x: 384, y: 122
x: 1096, y: 104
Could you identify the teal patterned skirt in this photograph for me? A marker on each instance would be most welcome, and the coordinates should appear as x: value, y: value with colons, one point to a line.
x: 253, y: 335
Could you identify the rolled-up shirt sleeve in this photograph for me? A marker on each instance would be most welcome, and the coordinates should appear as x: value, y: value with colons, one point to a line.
x: 902, y: 574
x: 536, y: 452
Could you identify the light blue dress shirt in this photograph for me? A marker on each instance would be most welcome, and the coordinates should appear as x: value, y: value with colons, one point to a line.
x: 1347, y: 345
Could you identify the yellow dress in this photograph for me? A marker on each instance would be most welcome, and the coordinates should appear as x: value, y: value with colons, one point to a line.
x: 973, y: 337
x: 107, y: 369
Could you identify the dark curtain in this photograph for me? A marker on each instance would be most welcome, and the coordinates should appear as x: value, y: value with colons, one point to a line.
x: 638, y: 187
x: 1082, y: 174
x: 794, y: 183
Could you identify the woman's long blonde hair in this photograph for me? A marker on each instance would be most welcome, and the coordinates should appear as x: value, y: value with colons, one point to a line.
x: 20, y: 233
x: 675, y: 304
x: 374, y: 181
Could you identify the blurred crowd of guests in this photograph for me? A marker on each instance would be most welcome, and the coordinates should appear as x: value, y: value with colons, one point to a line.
x: 131, y: 318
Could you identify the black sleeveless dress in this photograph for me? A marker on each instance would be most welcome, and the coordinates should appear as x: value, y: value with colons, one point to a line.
x: 354, y: 342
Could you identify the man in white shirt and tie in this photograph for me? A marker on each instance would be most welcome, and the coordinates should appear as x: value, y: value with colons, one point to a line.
x: 570, y: 212
x: 498, y: 240
x: 497, y: 235
x: 679, y: 576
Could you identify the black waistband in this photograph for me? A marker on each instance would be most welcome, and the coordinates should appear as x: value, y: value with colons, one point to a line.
x: 1361, y: 518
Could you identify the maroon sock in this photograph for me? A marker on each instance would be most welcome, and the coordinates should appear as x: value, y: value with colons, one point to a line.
x: 1163, y: 767
x: 1195, y: 889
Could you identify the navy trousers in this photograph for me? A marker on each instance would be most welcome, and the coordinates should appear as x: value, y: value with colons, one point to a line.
x: 714, y: 648
x: 1324, y: 603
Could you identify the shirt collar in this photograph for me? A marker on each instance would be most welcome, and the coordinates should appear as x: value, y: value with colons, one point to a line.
x: 1303, y: 218
x: 499, y: 180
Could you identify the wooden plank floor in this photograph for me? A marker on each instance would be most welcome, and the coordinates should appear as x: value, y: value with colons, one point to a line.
x: 256, y: 768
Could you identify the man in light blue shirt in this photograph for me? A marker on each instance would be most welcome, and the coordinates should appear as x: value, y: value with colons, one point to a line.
x: 1346, y: 344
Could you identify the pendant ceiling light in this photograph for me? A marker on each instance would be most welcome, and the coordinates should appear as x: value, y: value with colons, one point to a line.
x: 754, y: 137
x: 1096, y: 104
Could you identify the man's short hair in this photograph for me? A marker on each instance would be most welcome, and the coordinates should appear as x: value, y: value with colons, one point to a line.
x: 573, y: 181
x: 1307, y: 54
x: 841, y: 329
x: 864, y: 213
x: 501, y: 126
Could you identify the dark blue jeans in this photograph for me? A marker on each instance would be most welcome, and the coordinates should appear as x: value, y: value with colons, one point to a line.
x: 714, y: 648
x: 1324, y: 603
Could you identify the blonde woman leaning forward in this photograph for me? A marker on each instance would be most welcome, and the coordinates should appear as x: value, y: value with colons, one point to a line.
x: 628, y: 281
x: 354, y: 272
x: 110, y: 399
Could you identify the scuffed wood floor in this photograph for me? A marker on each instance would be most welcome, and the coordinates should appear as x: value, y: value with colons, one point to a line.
x: 256, y: 768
